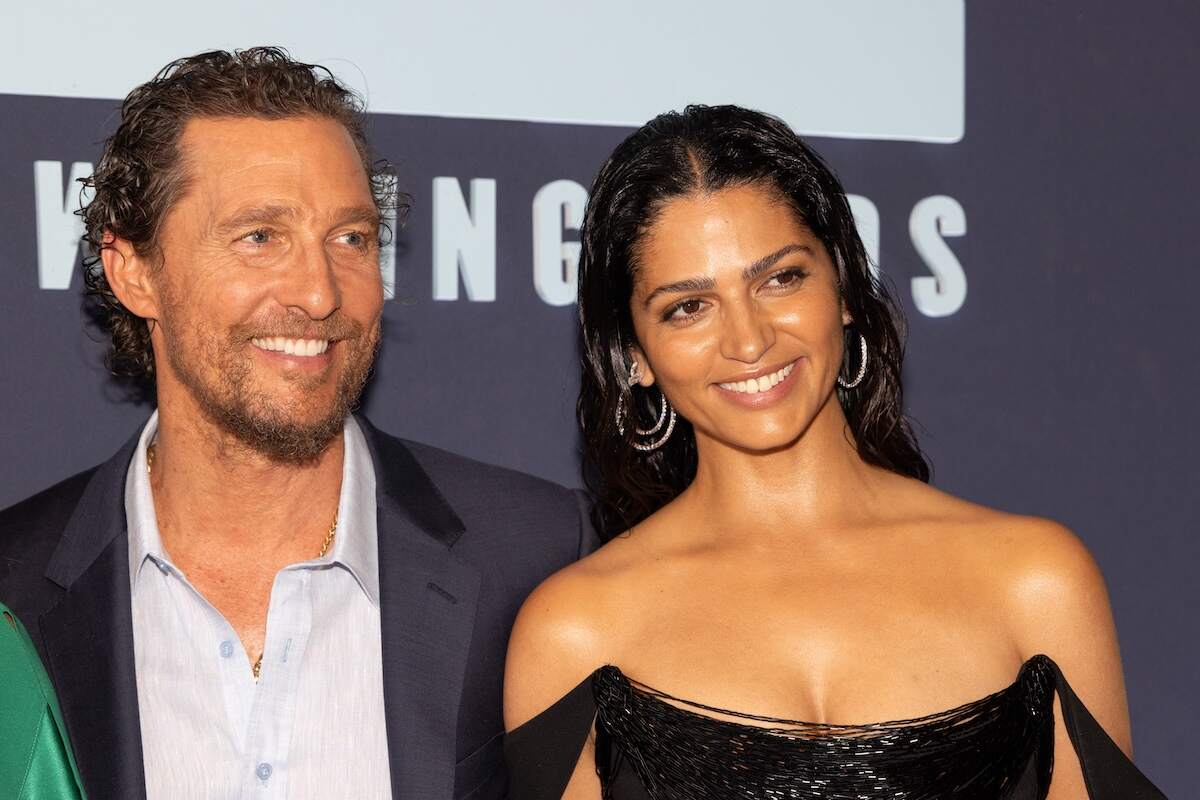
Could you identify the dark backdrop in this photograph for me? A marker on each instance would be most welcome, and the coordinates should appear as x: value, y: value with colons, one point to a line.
x: 1063, y: 386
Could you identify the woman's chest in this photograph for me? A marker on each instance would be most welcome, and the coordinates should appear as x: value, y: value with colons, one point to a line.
x: 827, y: 656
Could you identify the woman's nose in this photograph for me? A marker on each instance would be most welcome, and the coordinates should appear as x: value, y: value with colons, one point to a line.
x: 747, y: 334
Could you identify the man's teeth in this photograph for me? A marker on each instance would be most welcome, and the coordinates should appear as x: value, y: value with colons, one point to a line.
x: 292, y: 347
x: 760, y: 384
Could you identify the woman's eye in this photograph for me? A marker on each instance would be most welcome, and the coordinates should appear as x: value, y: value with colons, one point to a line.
x: 683, y: 310
x: 787, y: 277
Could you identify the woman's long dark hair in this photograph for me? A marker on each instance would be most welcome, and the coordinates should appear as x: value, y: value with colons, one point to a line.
x: 699, y: 150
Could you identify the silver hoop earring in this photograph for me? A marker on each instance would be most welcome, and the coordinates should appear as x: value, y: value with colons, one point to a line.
x: 666, y: 414
x: 862, y: 365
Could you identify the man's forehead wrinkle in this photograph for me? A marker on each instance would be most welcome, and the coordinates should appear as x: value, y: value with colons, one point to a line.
x: 290, y: 188
x: 222, y: 156
x: 252, y: 163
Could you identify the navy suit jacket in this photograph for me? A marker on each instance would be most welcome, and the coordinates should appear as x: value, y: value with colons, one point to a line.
x: 461, y: 544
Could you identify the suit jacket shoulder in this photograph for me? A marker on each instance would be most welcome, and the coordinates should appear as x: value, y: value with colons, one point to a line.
x: 506, y: 507
x: 29, y: 534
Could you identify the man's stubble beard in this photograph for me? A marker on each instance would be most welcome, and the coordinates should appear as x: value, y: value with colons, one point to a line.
x: 218, y: 376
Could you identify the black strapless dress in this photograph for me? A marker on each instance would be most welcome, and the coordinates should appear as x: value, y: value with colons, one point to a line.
x: 651, y: 746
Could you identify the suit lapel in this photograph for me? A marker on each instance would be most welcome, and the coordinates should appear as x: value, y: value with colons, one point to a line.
x: 427, y: 613
x: 89, y: 645
x: 88, y: 638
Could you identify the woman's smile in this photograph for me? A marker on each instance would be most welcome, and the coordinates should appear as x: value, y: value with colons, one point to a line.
x: 761, y: 388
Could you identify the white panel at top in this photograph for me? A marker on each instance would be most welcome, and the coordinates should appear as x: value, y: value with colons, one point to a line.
x: 869, y: 69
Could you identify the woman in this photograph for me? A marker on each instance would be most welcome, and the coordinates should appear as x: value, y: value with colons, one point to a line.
x: 35, y: 761
x: 777, y: 554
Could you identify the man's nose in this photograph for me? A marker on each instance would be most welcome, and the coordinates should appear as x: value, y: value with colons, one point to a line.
x: 747, y: 333
x: 311, y: 285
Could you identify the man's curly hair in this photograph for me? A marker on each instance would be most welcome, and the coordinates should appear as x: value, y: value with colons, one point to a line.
x: 141, y: 173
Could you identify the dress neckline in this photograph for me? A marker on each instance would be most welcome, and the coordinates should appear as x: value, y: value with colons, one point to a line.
x: 1036, y: 666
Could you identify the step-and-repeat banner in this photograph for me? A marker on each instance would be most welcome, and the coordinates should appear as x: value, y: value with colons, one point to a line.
x: 1024, y: 177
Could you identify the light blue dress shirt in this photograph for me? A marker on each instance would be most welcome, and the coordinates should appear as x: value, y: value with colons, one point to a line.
x: 313, y: 726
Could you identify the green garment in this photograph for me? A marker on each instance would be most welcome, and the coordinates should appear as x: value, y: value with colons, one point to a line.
x: 35, y: 759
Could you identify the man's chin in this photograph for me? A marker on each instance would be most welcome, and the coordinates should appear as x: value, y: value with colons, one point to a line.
x: 292, y: 421
x: 280, y: 437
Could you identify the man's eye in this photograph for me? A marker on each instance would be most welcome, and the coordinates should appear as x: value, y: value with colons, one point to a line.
x: 259, y: 236
x: 358, y: 240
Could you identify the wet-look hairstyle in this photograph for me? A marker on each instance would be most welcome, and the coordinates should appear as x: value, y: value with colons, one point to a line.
x: 142, y: 171
x: 700, y: 150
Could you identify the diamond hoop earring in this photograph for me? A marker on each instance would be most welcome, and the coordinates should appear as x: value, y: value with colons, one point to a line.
x: 666, y: 415
x: 862, y: 365
x: 635, y: 375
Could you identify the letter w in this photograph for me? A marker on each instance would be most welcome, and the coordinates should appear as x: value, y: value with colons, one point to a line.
x: 59, y: 228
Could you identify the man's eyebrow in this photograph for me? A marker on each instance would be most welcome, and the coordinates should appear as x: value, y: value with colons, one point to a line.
x: 258, y: 215
x: 368, y: 214
x: 271, y: 215
x: 704, y: 284
x: 766, y: 262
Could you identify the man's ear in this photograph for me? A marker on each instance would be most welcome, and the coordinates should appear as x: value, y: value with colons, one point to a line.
x: 644, y: 372
x: 128, y: 276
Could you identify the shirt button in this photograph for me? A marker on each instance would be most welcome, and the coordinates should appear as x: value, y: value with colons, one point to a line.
x: 263, y: 771
x: 226, y: 649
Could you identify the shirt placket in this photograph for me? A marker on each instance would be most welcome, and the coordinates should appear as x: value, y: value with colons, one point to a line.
x: 237, y: 681
x: 269, y: 735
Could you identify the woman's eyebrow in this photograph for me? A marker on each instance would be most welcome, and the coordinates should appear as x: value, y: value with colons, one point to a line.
x: 704, y: 284
x: 766, y: 262
x: 699, y: 284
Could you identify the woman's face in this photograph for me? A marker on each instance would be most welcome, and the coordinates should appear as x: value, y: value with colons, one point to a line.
x: 738, y: 316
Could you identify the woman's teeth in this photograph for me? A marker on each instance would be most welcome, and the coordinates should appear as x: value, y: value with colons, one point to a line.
x: 292, y: 347
x: 760, y: 384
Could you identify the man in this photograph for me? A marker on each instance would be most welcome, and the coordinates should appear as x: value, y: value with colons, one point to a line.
x: 262, y: 595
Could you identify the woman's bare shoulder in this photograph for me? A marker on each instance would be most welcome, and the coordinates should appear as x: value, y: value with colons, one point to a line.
x: 1028, y: 562
x: 1049, y: 583
x: 1028, y: 546
x: 950, y: 514
x: 573, y: 623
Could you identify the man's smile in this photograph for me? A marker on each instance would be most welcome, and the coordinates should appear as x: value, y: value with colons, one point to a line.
x: 292, y: 347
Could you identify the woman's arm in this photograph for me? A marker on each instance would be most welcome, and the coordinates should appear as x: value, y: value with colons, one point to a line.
x: 555, y: 644
x: 1059, y: 606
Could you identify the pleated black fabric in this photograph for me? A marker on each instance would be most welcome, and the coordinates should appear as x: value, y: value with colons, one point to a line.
x: 652, y: 746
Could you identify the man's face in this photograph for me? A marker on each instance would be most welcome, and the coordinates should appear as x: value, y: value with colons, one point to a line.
x: 270, y: 289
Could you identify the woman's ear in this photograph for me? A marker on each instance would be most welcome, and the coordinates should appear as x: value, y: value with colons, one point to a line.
x: 128, y: 276
x: 642, y: 372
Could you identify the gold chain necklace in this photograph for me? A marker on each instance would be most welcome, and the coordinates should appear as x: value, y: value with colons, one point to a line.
x: 257, y: 667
